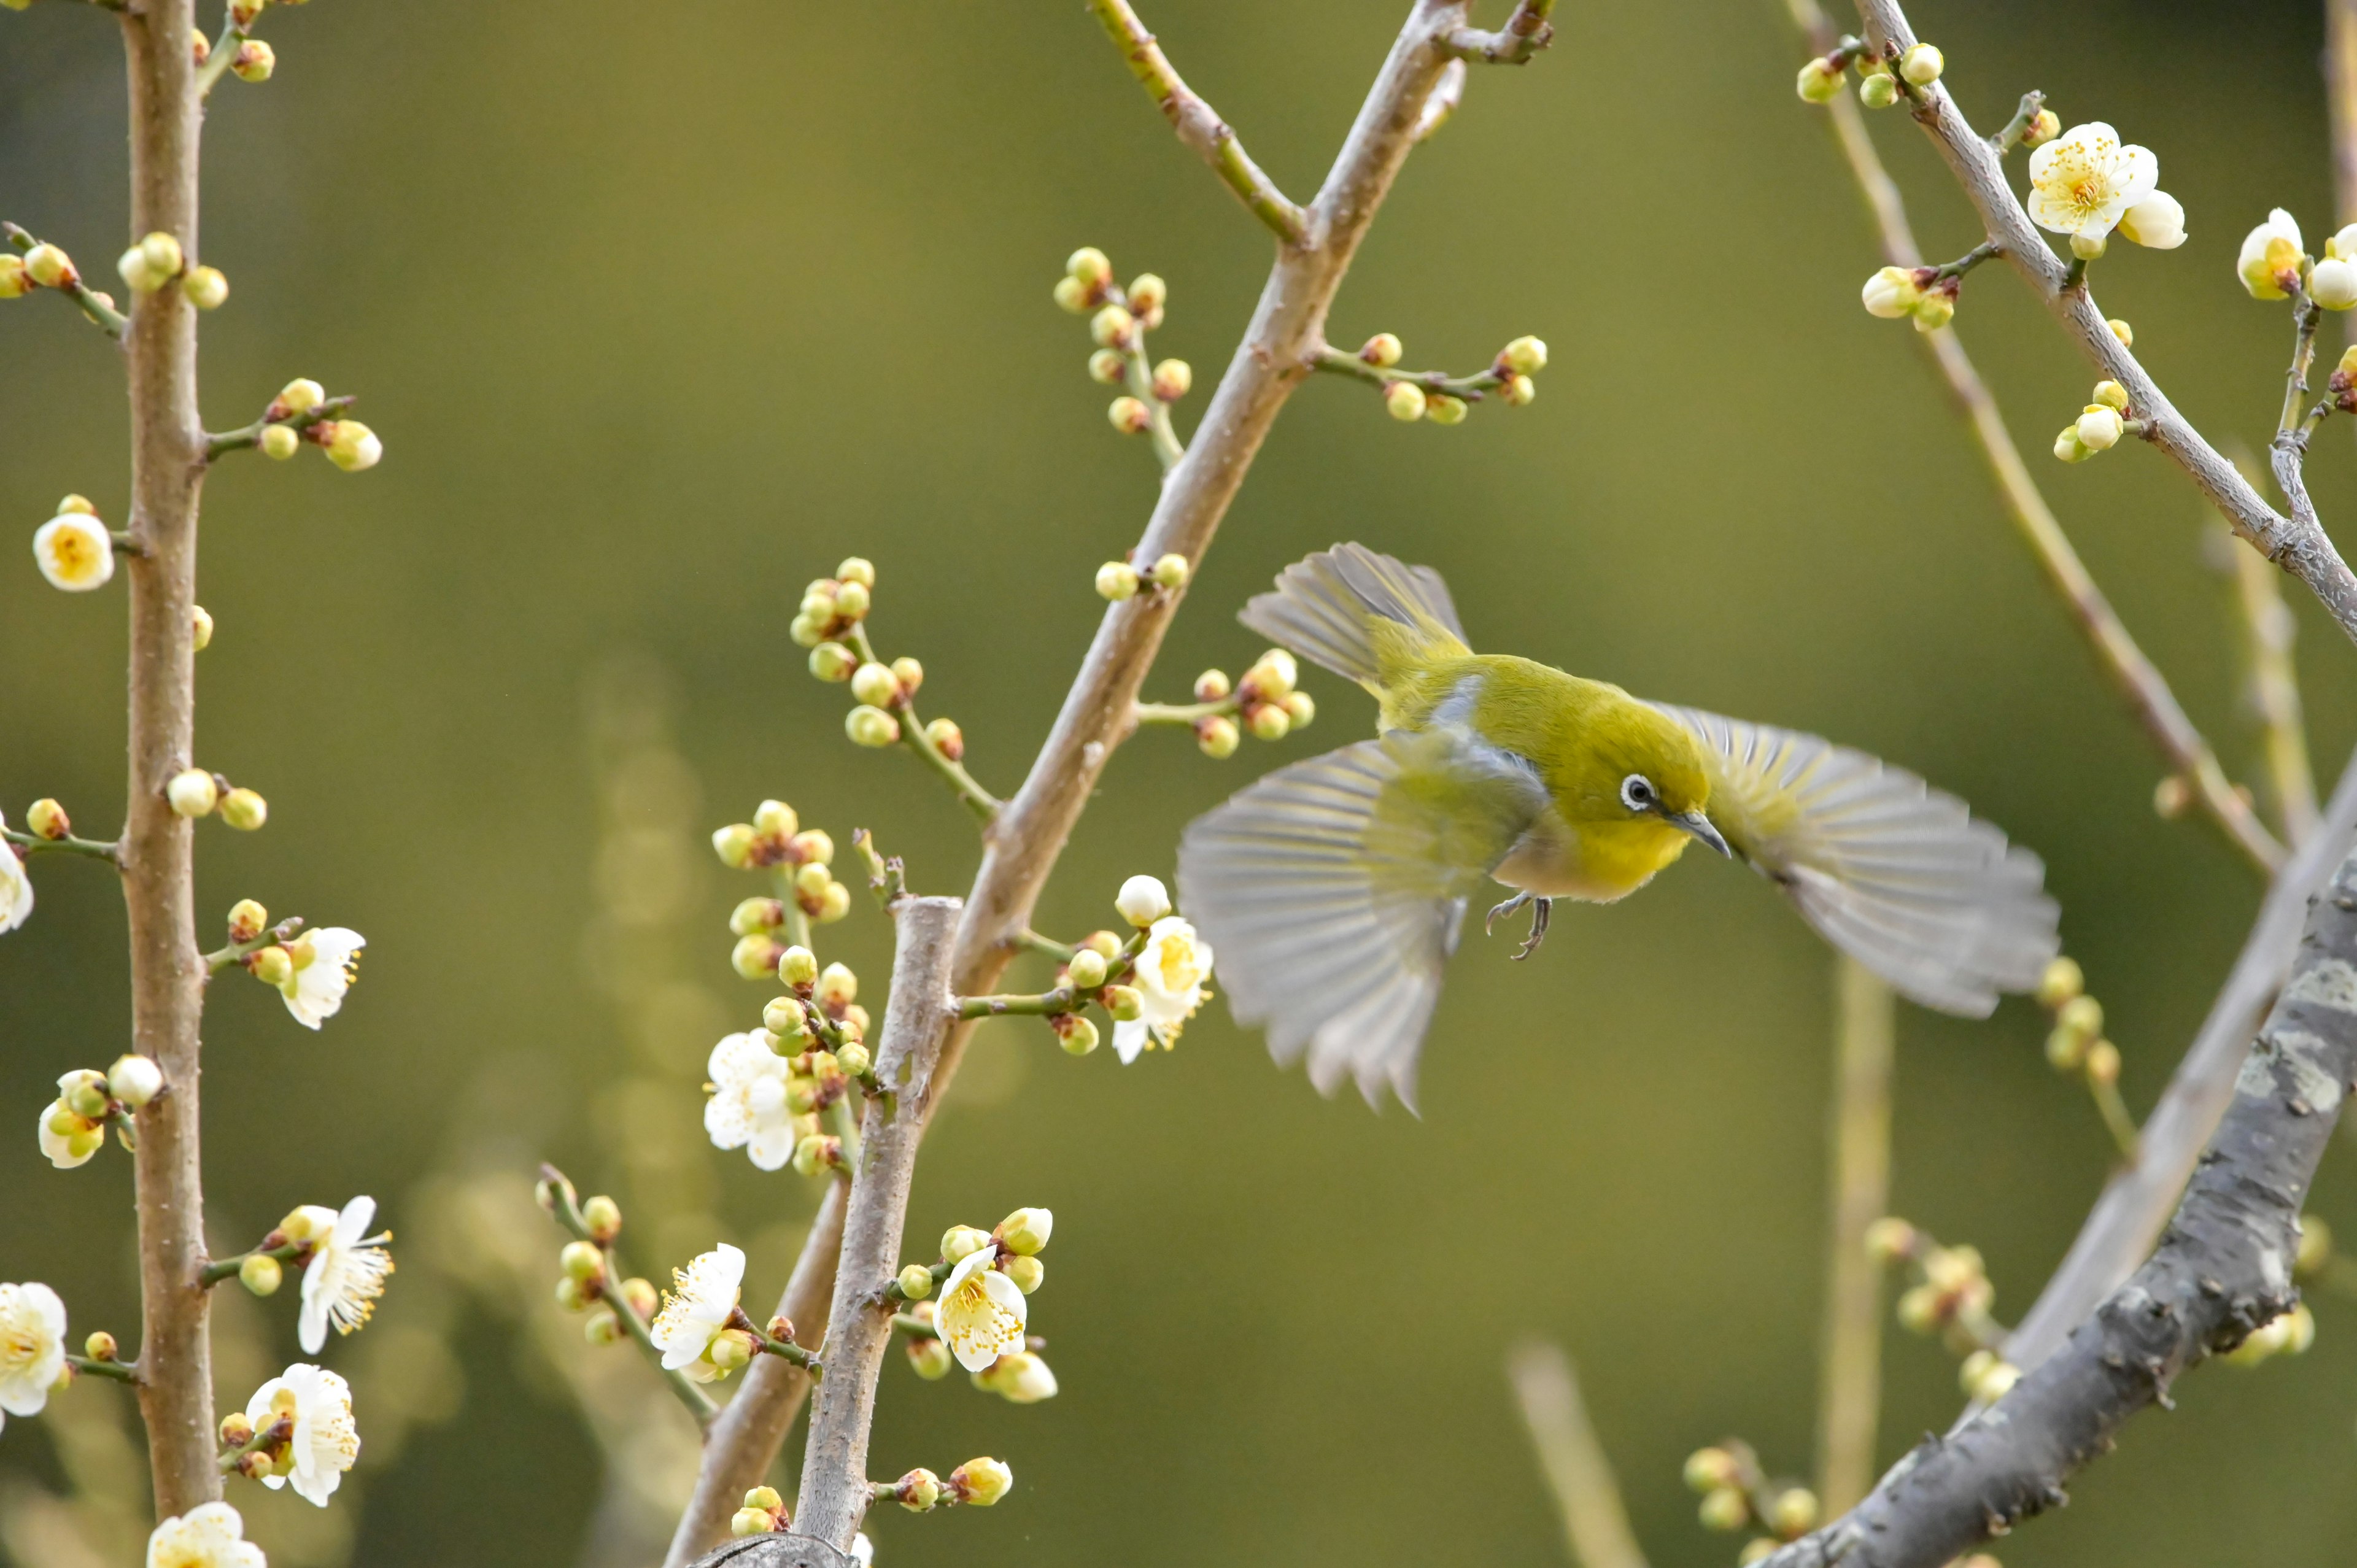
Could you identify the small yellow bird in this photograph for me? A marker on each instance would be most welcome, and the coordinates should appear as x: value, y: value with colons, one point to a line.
x: 1333, y: 889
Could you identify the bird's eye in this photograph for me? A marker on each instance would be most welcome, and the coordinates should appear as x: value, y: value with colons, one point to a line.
x: 1638, y: 794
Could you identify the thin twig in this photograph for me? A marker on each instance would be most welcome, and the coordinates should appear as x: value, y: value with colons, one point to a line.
x: 1197, y: 125
x: 2298, y: 543
x: 569, y: 1215
x: 1849, y: 1375
x: 2268, y: 628
x: 2157, y: 709
x: 2222, y: 1269
x: 1526, y: 32
x: 33, y: 844
x: 1595, y: 1523
x: 102, y: 315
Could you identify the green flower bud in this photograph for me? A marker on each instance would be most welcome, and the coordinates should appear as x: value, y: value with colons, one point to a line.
x: 1077, y: 1034
x: 1124, y: 1003
x: 641, y: 1295
x: 1819, y: 80
x: 602, y: 1327
x: 734, y: 845
x: 947, y: 738
x: 1212, y: 686
x: 1268, y: 721
x: 273, y: 965
x: 981, y: 1482
x: 1028, y: 1274
x: 1792, y: 1512
x: 1087, y: 969
x: 916, y: 1281
x: 816, y: 844
x: 1117, y: 580
x: 1519, y: 390
x: 838, y: 986
x: 244, y: 810
x: 1300, y: 708
x: 1072, y: 294
x: 851, y: 601
x: 1113, y: 326
x: 1709, y: 1469
x: 959, y: 1240
x: 255, y: 61
x: 1725, y: 1508
x: 754, y: 955
x: 756, y: 915
x: 1172, y: 379
x: 1404, y: 400
x: 1026, y: 1230
x: 873, y: 685
x: 831, y: 661
x: 2063, y: 980
x: 1923, y: 64
x: 1524, y: 356
x: 1878, y: 91
x: 1147, y: 292
x: 570, y: 1295
x: 1171, y: 571
x: 807, y: 631
x: 1218, y: 736
x: 815, y: 1154
x: 854, y: 1059
x: 1087, y: 266
x: 200, y: 628
x: 134, y: 1081
x: 1442, y: 409
x: 581, y: 1261
x: 89, y: 1101
x: 856, y: 569
x: 730, y: 1349
x: 101, y: 1347
x: 918, y: 1490
x: 871, y: 727
x: 931, y: 1358
x: 1108, y: 366
x: 280, y: 442
x: 798, y: 966
x: 192, y: 793
x: 1383, y: 350
x: 604, y: 1218
x: 785, y: 1017
x: 1129, y: 416
x: 260, y: 1272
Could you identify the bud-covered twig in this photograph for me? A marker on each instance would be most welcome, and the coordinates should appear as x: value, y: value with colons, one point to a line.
x: 609, y: 1284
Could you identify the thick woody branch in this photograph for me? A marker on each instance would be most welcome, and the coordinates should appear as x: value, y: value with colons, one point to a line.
x: 2222, y: 1269
x: 2295, y: 543
x: 2140, y: 681
x: 1197, y: 125
x: 1022, y: 840
x: 167, y: 973
x: 2120, y: 1230
x: 834, y: 1493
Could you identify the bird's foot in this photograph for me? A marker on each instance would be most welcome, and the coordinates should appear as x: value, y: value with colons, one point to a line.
x: 1541, y: 908
x: 1489, y: 926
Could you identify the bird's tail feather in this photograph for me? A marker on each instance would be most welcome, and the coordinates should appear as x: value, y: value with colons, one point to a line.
x: 1359, y: 614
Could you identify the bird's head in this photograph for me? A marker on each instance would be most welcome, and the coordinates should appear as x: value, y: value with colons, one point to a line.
x: 1645, y: 766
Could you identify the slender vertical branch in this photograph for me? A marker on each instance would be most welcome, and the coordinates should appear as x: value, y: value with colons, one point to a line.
x: 2340, y: 95
x: 1022, y: 843
x: 1849, y: 1376
x: 2156, y: 707
x: 859, y: 1330
x: 2268, y: 628
x: 1594, y: 1524
x: 167, y: 973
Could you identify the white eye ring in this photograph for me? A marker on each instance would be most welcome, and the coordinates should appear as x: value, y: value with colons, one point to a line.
x: 1637, y: 793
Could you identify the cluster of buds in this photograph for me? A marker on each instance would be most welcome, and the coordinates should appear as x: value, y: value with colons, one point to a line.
x: 1924, y: 294
x: 981, y: 1314
x: 2099, y: 426
x: 300, y: 413
x: 585, y: 1280
x: 1737, y: 1494
x: 194, y: 792
x: 74, y: 550
x: 822, y: 1009
x: 1104, y: 969
x: 833, y: 605
x: 764, y: 1513
x: 1119, y: 580
x: 74, y: 1124
x: 2075, y: 1044
x: 1878, y: 75
x: 1950, y: 1295
x: 977, y: 1482
x: 882, y: 692
x: 1119, y: 319
x: 157, y: 262
x: 1446, y: 402
x: 1264, y: 700
x: 807, y: 887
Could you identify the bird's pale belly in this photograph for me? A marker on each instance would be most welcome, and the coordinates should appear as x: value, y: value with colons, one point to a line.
x: 1596, y: 861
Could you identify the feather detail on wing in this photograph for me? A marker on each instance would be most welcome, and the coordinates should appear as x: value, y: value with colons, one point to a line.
x: 1898, y: 874
x: 1333, y: 891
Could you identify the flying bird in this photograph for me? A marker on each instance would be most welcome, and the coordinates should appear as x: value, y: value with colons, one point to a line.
x: 1335, y: 889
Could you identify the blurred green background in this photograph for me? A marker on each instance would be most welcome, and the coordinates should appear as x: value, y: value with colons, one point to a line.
x: 660, y: 314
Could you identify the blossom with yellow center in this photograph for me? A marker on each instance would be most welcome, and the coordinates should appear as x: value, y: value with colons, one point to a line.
x: 75, y: 551
x: 2270, y: 261
x: 2085, y: 181
x: 32, y: 1346
x: 980, y: 1314
x: 1170, y: 981
x: 325, y: 1440
x: 327, y: 962
x: 345, y: 1275
x: 748, y: 1109
x: 696, y: 1311
x: 210, y: 1535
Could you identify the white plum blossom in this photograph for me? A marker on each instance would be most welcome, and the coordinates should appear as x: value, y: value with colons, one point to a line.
x: 2083, y: 182
x: 16, y: 887
x: 326, y: 1439
x: 75, y: 551
x: 32, y: 1346
x: 697, y: 1310
x: 210, y: 1535
x: 345, y: 1277
x: 326, y: 963
x: 862, y: 1551
x: 980, y: 1314
x: 2270, y: 252
x: 1170, y: 985
x: 748, y: 1109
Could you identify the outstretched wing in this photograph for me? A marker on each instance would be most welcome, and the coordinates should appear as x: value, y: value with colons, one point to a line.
x: 1333, y: 889
x: 1898, y: 874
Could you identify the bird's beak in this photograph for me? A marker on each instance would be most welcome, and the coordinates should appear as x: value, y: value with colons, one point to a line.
x: 1700, y: 825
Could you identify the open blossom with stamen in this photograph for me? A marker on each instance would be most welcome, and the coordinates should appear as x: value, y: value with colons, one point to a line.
x: 327, y: 962
x: 696, y: 1309
x: 326, y: 1439
x: 75, y: 551
x: 345, y: 1277
x: 980, y: 1314
x: 210, y: 1535
x: 32, y: 1346
x: 1170, y: 983
x: 2085, y: 181
x: 748, y: 1109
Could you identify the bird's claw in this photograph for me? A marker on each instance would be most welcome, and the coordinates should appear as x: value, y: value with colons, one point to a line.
x: 1541, y: 908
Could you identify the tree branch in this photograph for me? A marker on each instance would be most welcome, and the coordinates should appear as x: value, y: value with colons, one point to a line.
x: 1526, y: 32
x: 2222, y: 1269
x: 1595, y: 1522
x: 1022, y: 843
x: 2156, y: 707
x: 1197, y: 125
x: 834, y: 1493
x: 1849, y: 1379
x: 2120, y: 1230
x: 2295, y: 544
x: 167, y: 973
